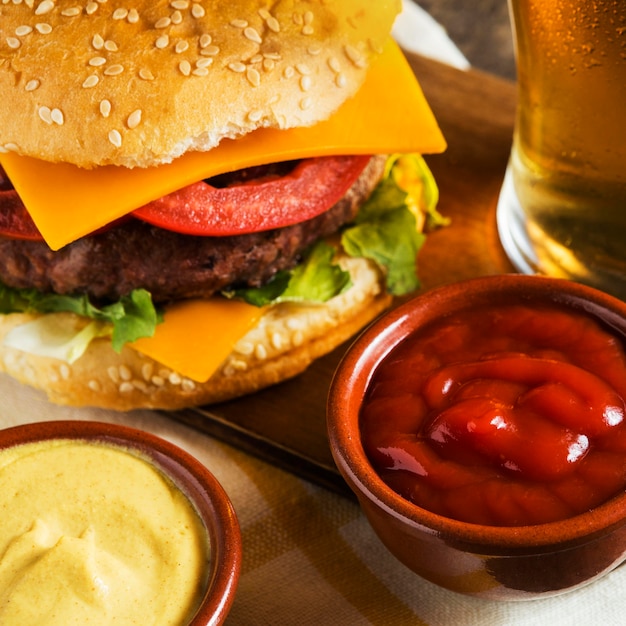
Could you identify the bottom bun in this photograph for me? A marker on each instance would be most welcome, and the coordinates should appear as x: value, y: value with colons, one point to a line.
x: 283, y: 344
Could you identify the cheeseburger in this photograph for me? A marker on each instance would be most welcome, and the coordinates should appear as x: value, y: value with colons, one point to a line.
x: 200, y: 197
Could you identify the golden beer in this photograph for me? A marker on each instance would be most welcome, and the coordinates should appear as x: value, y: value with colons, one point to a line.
x: 562, y: 210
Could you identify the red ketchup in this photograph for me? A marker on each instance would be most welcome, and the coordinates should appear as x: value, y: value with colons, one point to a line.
x: 505, y: 416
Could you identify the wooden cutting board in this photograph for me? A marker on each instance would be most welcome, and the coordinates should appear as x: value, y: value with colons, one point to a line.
x: 286, y: 424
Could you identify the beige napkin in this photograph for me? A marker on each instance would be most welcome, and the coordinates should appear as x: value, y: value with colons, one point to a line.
x: 310, y: 557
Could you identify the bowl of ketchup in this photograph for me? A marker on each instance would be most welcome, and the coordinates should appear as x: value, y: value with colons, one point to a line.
x: 482, y: 427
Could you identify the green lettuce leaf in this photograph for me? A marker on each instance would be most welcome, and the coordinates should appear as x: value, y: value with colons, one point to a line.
x: 130, y: 318
x: 317, y: 279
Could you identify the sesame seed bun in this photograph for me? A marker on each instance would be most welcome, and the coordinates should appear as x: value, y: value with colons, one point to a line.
x: 284, y: 343
x: 99, y: 82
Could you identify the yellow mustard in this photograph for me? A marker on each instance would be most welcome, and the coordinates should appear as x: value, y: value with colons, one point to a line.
x: 94, y: 534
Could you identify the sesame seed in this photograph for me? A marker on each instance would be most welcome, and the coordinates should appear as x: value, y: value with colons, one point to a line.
x: 13, y: 42
x: 255, y: 116
x: 260, y: 352
x: 125, y: 373
x: 205, y: 40
x: 305, y: 83
x: 306, y: 104
x: 273, y: 24
x: 268, y: 65
x: 111, y: 46
x: 200, y: 71
x: 303, y: 69
x: 253, y: 76
x: 146, y: 371
x: 146, y: 74
x: 185, y: 67
x: 179, y: 4
x: 157, y: 381
x: 105, y: 108
x: 177, y: 17
x: 133, y: 16
x: 126, y: 387
x: 307, y: 30
x: 115, y: 138
x: 251, y: 34
x: 341, y: 80
x: 181, y: 46
x: 114, y: 70
x: 204, y: 62
x: 210, y: 51
x: 21, y: 31
x: 164, y: 22
x: 43, y: 28
x: 239, y: 23
x: 277, y: 341
x: 91, y: 8
x: 314, y: 50
x: 162, y: 42
x: 94, y: 385
x: 197, y: 10
x: 31, y: 85
x: 71, y: 12
x: 113, y: 373
x: 175, y: 379
x: 91, y: 81
x: 45, y: 114
x: 264, y: 13
x: 237, y: 66
x: 355, y: 57
x: 308, y: 17
x: 134, y: 119
x: 188, y: 384
x: 334, y: 65
x: 44, y: 7
x: 289, y: 72
x: 97, y: 42
x: 56, y: 115
x: 97, y: 61
x: 120, y: 14
x: 244, y: 347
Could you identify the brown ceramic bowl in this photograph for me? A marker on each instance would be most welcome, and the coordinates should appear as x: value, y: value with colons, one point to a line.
x: 189, y: 475
x: 496, y: 562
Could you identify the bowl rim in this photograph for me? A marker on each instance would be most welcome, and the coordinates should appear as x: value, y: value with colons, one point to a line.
x: 348, y: 387
x: 194, y: 480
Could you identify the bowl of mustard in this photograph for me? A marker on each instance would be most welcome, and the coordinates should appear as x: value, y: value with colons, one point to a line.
x: 107, y: 524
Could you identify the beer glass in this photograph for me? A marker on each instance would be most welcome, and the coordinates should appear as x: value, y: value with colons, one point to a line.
x: 562, y: 208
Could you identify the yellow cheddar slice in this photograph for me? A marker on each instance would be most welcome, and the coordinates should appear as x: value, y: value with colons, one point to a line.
x: 196, y: 336
x: 388, y: 115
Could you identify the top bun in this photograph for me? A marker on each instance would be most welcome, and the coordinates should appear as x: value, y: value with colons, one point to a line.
x: 99, y: 82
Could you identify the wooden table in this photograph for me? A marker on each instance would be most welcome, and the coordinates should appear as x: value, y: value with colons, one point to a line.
x: 286, y: 424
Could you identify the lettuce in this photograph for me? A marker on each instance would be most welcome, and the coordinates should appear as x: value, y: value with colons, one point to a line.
x: 131, y: 317
x: 388, y: 230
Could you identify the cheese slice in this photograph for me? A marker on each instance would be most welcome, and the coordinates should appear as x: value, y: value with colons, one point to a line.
x: 388, y: 115
x: 196, y: 336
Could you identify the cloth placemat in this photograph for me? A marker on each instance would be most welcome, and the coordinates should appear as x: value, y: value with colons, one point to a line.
x: 310, y: 557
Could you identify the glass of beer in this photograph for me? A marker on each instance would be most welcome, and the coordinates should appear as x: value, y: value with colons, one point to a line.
x: 562, y: 208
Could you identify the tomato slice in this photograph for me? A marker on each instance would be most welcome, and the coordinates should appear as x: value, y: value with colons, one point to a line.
x: 312, y: 187
x: 15, y: 222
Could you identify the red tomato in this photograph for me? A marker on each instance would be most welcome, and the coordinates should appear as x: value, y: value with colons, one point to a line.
x: 15, y: 222
x: 311, y: 188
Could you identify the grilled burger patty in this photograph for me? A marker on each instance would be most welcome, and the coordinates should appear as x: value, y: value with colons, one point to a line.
x: 171, y: 266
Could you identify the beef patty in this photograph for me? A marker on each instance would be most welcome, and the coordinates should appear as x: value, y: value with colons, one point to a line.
x: 169, y: 265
